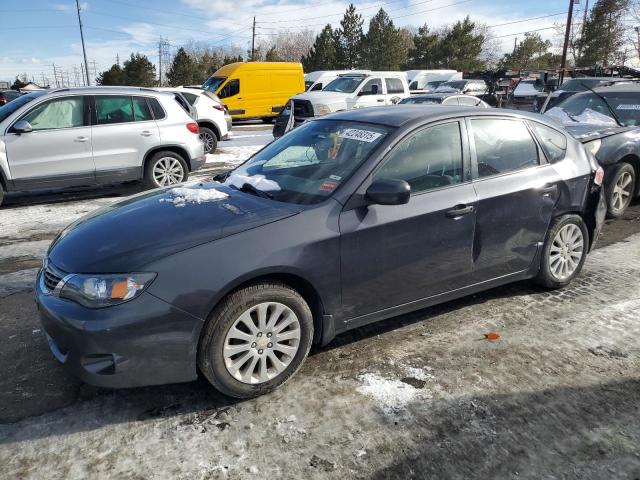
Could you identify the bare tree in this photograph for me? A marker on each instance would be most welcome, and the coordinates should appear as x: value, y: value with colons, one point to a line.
x: 289, y: 46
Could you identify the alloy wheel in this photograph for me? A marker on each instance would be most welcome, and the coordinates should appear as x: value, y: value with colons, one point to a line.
x: 207, y: 139
x: 566, y: 251
x: 168, y: 171
x: 262, y: 343
x: 622, y: 191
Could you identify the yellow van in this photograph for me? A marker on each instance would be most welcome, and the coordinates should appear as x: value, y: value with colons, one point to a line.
x: 256, y: 89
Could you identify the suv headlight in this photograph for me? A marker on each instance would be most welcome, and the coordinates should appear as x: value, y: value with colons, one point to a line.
x: 321, y: 109
x: 97, y: 291
x: 593, y: 146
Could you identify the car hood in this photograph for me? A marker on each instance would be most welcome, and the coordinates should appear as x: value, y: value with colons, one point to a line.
x: 585, y: 132
x: 323, y: 97
x: 130, y: 234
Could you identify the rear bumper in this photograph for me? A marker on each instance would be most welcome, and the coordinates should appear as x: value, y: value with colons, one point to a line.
x: 197, y: 162
x: 143, y: 342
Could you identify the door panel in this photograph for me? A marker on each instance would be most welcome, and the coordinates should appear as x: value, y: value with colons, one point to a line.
x: 370, y: 99
x: 58, y: 150
x: 122, y: 134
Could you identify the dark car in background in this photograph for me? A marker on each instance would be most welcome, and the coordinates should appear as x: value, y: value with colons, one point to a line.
x: 7, y: 95
x: 352, y: 218
x: 607, y: 121
x: 449, y: 99
x: 545, y: 101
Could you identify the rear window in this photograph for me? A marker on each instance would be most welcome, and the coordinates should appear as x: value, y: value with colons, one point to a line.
x: 394, y: 85
x: 156, y: 108
x: 554, y: 143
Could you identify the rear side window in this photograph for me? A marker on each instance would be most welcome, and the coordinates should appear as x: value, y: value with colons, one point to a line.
x: 156, y: 108
x: 141, y: 110
x: 113, y: 109
x: 191, y: 98
x: 394, y: 85
x: 182, y: 102
x: 230, y: 89
x: 503, y: 146
x: 553, y: 142
x: 65, y: 112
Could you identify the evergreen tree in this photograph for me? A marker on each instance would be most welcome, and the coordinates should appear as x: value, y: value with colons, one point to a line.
x: 21, y: 81
x: 383, y: 45
x: 324, y: 53
x: 350, y: 38
x: 532, y: 53
x: 232, y: 59
x: 139, y: 71
x: 272, y: 55
x: 183, y: 70
x: 460, y: 47
x: 113, y: 76
x: 424, y: 54
x: 603, y: 37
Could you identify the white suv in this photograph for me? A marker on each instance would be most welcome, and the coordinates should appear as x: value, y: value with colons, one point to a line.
x: 213, y: 117
x: 96, y: 135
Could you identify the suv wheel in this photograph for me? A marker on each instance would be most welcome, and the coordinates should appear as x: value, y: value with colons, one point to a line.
x: 619, y: 188
x: 165, y: 169
x: 209, y: 139
x: 255, y: 340
x: 565, y: 251
x: 1, y: 194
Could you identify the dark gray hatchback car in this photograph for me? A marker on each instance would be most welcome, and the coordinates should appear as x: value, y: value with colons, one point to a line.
x: 349, y: 219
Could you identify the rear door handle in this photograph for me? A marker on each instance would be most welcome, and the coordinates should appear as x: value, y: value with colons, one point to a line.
x: 146, y: 133
x: 547, y: 189
x: 81, y: 139
x: 460, y: 210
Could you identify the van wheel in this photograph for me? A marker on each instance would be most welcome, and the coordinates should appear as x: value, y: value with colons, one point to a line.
x: 564, y: 252
x: 165, y: 169
x: 619, y: 187
x: 209, y: 139
x: 255, y: 340
x: 267, y: 120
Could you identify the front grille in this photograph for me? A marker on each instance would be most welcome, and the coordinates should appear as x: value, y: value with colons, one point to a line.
x: 302, y: 108
x: 51, y: 276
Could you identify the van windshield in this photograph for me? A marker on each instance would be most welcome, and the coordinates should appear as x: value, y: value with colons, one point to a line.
x: 213, y: 83
x: 344, y: 84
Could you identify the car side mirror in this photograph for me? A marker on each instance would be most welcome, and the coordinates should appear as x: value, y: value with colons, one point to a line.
x: 388, y: 192
x: 21, y: 127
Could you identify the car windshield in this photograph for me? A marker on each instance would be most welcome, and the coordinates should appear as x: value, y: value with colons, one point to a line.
x: 457, y: 86
x: 589, y: 108
x: 344, y: 84
x: 309, y: 163
x: 14, y: 105
x: 578, y: 84
x: 433, y: 85
x: 213, y: 83
x: 526, y: 87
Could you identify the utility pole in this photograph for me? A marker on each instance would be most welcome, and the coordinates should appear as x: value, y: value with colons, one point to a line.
x: 160, y: 61
x: 515, y: 44
x: 84, y: 52
x: 55, y: 75
x: 253, y: 40
x: 118, y: 59
x: 567, y: 32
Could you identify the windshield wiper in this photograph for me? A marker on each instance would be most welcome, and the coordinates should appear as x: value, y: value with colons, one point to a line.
x: 601, y: 97
x: 247, y: 187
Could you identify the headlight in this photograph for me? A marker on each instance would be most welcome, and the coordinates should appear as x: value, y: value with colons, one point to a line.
x: 321, y: 109
x: 97, y: 291
x: 593, y: 146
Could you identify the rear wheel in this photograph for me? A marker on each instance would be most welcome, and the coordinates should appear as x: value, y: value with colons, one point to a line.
x: 165, y: 169
x: 1, y: 194
x: 209, y: 139
x: 565, y: 251
x: 619, y: 188
x: 255, y: 340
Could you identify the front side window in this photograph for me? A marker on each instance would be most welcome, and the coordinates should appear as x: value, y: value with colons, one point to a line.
x: 309, y: 163
x: 113, y: 109
x: 394, y: 85
x: 553, y: 142
x: 10, y: 107
x: 141, y: 110
x: 316, y: 87
x: 65, y: 112
x: 230, y: 89
x: 428, y: 159
x: 372, y: 87
x: 503, y: 146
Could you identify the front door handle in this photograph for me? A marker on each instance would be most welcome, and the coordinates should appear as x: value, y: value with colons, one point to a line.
x: 381, y: 100
x: 547, y: 189
x: 146, y: 133
x: 460, y: 210
x: 81, y: 139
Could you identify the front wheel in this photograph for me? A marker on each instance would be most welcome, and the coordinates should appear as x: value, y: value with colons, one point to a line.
x: 565, y: 251
x: 255, y: 340
x: 619, y: 187
x: 165, y: 169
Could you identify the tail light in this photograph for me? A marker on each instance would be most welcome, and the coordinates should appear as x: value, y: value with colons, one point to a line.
x: 599, y: 176
x: 193, y: 127
x: 219, y: 107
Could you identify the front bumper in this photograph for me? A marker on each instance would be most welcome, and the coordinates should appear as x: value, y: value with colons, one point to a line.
x: 142, y: 342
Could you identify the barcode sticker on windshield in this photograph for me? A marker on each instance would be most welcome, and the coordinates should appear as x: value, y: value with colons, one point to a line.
x: 627, y: 106
x: 362, y: 135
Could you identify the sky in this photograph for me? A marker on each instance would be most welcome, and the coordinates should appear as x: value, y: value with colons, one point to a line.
x: 37, y: 35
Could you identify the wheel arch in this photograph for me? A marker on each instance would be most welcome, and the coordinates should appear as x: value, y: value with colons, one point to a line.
x: 212, y: 126
x: 166, y: 148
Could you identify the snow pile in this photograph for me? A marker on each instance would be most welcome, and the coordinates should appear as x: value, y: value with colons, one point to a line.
x: 232, y: 155
x: 258, y: 181
x: 182, y: 196
x: 587, y: 116
x: 419, y: 373
x: 391, y: 395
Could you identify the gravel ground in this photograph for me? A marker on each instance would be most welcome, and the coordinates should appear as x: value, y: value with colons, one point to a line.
x: 424, y: 395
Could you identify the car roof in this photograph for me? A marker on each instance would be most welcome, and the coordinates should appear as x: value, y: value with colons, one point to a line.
x: 400, y: 115
x: 439, y: 95
x: 625, y: 87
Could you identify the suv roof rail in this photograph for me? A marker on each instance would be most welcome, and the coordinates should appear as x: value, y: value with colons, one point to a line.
x: 56, y: 90
x: 357, y: 74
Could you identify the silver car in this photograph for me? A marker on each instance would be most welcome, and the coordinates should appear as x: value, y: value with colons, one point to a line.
x: 96, y: 135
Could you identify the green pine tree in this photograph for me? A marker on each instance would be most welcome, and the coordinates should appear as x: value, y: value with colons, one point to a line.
x: 113, y: 76
x: 350, y: 39
x: 603, y: 36
x: 183, y: 70
x: 139, y: 71
x: 424, y: 54
x: 324, y: 53
x: 532, y: 53
x: 383, y: 45
x: 460, y: 47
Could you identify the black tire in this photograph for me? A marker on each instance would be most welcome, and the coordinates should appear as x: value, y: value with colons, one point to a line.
x: 210, y: 139
x: 618, y: 173
x: 1, y: 194
x: 267, y: 120
x: 149, y: 178
x: 545, y: 276
x: 210, y: 349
